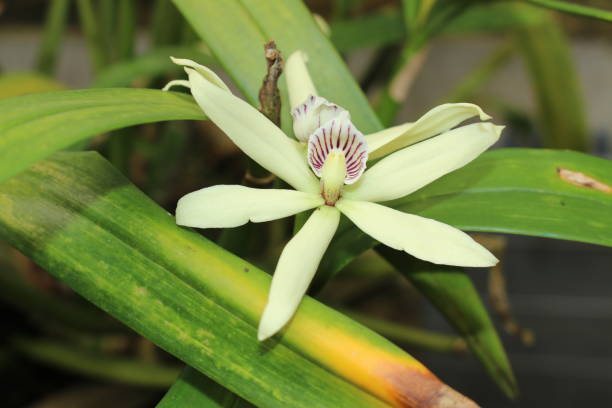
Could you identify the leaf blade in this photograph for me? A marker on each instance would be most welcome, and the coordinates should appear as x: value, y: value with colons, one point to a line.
x: 34, y: 126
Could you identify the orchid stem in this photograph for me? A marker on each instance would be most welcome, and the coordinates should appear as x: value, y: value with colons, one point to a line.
x: 92, y: 34
x: 55, y: 25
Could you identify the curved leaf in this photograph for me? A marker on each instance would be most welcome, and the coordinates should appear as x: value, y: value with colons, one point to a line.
x: 193, y: 389
x: 152, y: 64
x: 80, y: 219
x: 452, y: 292
x: 34, y: 126
x: 513, y: 191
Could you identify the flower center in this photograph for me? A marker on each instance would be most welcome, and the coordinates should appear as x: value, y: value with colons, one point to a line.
x: 333, y: 174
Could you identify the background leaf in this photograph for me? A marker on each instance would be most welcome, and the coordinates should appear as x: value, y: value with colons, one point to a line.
x: 34, y: 126
x: 451, y: 291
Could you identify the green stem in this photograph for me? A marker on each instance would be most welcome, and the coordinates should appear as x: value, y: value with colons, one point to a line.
x: 92, y: 34
x: 129, y: 371
x: 106, y: 18
x: 55, y: 24
x: 413, y: 336
x: 166, y: 23
x: 126, y: 29
x: 572, y: 8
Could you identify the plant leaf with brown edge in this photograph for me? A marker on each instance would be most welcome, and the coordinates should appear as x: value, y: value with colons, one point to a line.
x: 77, y: 217
x: 451, y: 291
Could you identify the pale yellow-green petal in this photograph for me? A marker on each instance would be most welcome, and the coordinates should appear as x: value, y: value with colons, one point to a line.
x: 299, y: 82
x: 413, y: 167
x: 436, y: 121
x: 296, y: 268
x: 206, y: 72
x: 226, y: 206
x: 253, y: 133
x: 422, y: 238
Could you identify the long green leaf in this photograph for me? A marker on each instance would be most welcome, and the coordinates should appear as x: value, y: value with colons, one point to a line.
x: 70, y: 358
x: 80, y: 219
x: 235, y: 31
x: 573, y: 8
x: 514, y: 191
x: 452, y: 292
x: 193, y: 389
x: 155, y: 63
x: 555, y: 83
x: 34, y: 126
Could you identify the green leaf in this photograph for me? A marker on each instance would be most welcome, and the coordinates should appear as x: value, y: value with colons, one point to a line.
x: 372, y: 30
x: 573, y: 8
x: 155, y: 63
x: 77, y: 217
x: 555, y: 83
x: 193, y: 389
x: 235, y: 31
x: 34, y: 126
x: 513, y: 191
x: 96, y: 365
x: 451, y: 291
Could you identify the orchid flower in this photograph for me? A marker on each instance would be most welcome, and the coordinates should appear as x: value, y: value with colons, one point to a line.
x: 326, y: 166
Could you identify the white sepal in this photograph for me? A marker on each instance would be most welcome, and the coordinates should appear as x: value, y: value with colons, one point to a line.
x: 299, y: 82
x: 296, y: 268
x: 227, y: 206
x: 422, y: 238
x: 413, y: 167
x: 253, y: 133
x: 436, y: 121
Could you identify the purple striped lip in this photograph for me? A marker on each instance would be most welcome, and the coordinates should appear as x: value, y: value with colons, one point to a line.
x: 339, y: 135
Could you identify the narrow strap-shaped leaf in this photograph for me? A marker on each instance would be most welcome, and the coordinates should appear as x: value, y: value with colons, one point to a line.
x: 555, y: 84
x: 515, y: 191
x: 149, y: 65
x: 192, y: 389
x: 573, y: 8
x: 80, y: 219
x: 451, y: 291
x: 235, y: 31
x: 34, y: 126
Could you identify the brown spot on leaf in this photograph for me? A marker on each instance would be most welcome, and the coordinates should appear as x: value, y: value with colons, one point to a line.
x: 413, y: 389
x: 582, y: 180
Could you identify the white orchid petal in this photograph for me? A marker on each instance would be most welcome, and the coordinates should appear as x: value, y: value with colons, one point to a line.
x: 296, y: 268
x: 298, y: 79
x: 436, y: 121
x: 312, y: 114
x: 422, y: 238
x: 380, y: 139
x: 413, y: 167
x: 227, y: 206
x: 253, y: 133
x: 206, y: 72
